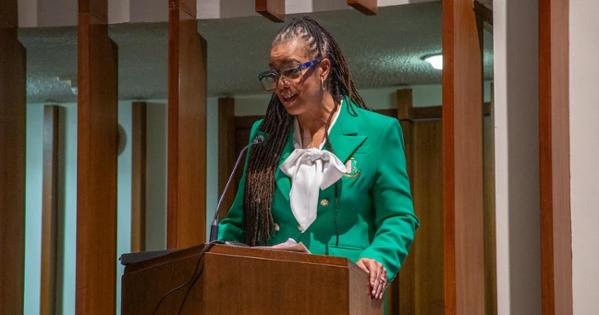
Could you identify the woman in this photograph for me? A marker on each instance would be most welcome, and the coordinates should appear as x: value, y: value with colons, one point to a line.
x: 331, y: 173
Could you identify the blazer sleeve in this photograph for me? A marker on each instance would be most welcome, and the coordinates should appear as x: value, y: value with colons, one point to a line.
x: 231, y: 227
x: 395, y: 221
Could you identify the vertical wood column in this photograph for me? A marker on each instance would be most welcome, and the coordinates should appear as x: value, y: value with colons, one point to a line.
x: 186, y: 192
x: 368, y: 7
x: 403, y: 291
x: 226, y: 149
x: 138, y: 180
x: 12, y: 160
x: 96, y: 161
x: 273, y: 10
x: 52, y: 212
x: 462, y: 161
x: 554, y: 157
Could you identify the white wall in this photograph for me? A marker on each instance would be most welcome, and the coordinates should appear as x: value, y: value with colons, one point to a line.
x: 584, y: 153
x: 33, y: 206
x: 156, y: 164
x: 124, y: 176
x: 516, y: 156
x: 27, y: 13
x: 56, y: 12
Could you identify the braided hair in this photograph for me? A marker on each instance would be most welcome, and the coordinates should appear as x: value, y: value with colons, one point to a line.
x: 264, y: 157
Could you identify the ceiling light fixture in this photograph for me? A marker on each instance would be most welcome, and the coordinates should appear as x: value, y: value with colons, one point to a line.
x: 435, y: 60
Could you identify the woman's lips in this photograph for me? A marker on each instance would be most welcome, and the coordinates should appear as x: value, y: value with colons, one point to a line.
x: 288, y: 99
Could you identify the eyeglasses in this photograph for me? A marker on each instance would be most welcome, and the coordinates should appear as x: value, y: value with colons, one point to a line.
x: 270, y: 78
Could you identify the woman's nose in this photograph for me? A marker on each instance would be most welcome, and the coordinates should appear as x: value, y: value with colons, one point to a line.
x: 282, y: 82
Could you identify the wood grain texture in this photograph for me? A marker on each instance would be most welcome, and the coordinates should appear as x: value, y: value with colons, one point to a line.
x: 489, y: 215
x: 421, y: 277
x: 427, y: 191
x: 226, y: 150
x: 9, y: 14
x: 189, y: 7
x: 403, y: 301
x: 52, y: 205
x: 138, y: 177
x: 554, y: 158
x: 12, y: 162
x: 273, y: 10
x: 259, y: 281
x: 96, y: 165
x: 95, y: 8
x: 464, y: 279
x: 368, y: 7
x: 186, y: 191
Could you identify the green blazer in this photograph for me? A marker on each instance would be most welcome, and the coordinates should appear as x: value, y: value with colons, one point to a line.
x: 374, y: 216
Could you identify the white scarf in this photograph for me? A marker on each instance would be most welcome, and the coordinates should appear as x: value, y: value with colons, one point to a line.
x: 310, y: 170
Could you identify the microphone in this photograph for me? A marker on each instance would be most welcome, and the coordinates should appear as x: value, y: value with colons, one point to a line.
x: 214, y: 227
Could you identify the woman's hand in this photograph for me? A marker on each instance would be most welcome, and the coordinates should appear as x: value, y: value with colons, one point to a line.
x: 378, y: 276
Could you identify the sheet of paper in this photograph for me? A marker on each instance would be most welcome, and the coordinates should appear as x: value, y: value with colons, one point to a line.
x: 290, y: 245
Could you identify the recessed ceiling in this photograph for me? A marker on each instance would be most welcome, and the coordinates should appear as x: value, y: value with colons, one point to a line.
x: 383, y: 50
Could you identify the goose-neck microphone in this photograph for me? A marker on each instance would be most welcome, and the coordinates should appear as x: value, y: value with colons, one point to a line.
x: 214, y: 227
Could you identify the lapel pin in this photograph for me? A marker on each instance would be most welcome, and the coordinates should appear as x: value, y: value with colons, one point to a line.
x: 352, y: 166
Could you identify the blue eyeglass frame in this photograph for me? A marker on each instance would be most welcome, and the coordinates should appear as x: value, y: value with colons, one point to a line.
x: 277, y: 75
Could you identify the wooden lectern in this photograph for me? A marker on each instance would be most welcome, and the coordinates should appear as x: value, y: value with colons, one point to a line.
x: 242, y: 280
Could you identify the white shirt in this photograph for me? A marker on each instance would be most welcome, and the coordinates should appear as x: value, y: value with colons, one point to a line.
x: 310, y: 170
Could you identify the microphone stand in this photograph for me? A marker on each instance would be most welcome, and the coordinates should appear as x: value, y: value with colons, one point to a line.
x: 215, y: 221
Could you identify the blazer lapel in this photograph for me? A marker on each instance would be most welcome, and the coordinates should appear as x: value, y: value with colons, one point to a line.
x: 345, y: 140
x: 345, y: 137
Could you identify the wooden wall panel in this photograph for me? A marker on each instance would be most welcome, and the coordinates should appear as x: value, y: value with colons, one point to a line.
x: 96, y: 162
x: 554, y: 157
x: 273, y: 10
x: 462, y: 161
x: 186, y: 191
x: 489, y: 215
x: 226, y: 149
x: 138, y: 180
x: 12, y: 161
x: 368, y: 7
x: 428, y: 186
x: 403, y: 291
x: 52, y: 209
x: 421, y: 277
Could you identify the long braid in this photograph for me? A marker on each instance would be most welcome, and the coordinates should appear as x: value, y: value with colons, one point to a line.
x: 264, y: 158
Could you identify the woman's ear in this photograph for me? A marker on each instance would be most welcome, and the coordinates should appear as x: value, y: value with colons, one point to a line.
x: 325, y: 69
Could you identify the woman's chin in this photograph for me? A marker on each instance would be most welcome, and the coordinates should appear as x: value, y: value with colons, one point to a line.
x: 292, y: 107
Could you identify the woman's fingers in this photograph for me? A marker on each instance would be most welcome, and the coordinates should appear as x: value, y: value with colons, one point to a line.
x: 374, y: 273
x: 377, y: 276
x: 384, y: 283
x: 377, y: 280
x: 381, y: 281
x: 362, y: 265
